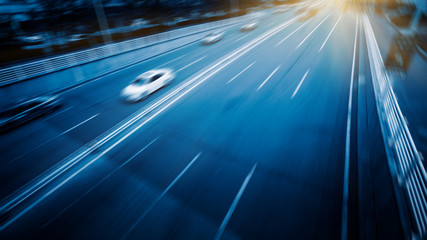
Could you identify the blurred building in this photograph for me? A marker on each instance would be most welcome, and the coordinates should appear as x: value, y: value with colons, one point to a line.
x: 420, y: 4
x: 12, y: 7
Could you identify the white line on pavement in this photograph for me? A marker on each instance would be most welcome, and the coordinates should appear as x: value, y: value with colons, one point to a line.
x: 161, y: 196
x: 234, y: 204
x: 99, y: 183
x: 78, y: 125
x: 240, y: 38
x: 240, y: 73
x: 262, y: 84
x: 299, y: 85
x: 311, y: 32
x: 347, y: 146
x: 173, y: 60
x: 292, y: 33
x: 329, y: 34
x: 41, y: 181
x: 50, y: 140
x: 190, y: 64
x: 58, y: 113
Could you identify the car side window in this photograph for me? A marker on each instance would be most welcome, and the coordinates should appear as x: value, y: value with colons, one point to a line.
x: 155, y: 77
x: 139, y: 81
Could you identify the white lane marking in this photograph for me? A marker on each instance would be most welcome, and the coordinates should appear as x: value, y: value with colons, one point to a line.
x: 56, y: 114
x: 330, y: 33
x: 50, y: 140
x: 240, y: 38
x: 173, y: 60
x: 198, y: 60
x: 347, y: 145
x: 265, y: 81
x: 234, y: 204
x: 99, y: 183
x: 317, y: 4
x: 87, y: 149
x: 311, y: 32
x: 299, y: 85
x: 161, y: 196
x: 78, y: 125
x: 292, y: 33
x: 240, y: 73
x: 43, y: 197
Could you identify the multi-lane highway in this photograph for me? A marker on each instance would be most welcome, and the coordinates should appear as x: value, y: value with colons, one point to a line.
x: 269, y: 134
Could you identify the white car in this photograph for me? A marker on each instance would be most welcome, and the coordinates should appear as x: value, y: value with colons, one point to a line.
x: 139, y: 22
x: 36, y: 39
x: 213, y: 38
x: 249, y: 27
x: 176, y: 21
x: 147, y: 83
x: 280, y: 10
x: 77, y: 37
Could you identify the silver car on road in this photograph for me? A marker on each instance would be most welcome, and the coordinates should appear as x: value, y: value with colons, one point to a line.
x: 146, y: 84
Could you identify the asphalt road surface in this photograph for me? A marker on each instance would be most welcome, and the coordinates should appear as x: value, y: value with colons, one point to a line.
x: 267, y: 134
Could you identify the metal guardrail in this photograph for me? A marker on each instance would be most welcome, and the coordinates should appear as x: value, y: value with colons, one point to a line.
x: 401, y: 150
x: 34, y: 69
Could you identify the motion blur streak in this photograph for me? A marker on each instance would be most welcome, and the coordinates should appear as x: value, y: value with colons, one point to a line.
x: 121, y: 127
x: 268, y: 78
x: 213, y: 119
x: 100, y: 182
x: 312, y: 32
x: 347, y: 143
x: 299, y: 84
x: 234, y: 205
x: 330, y: 33
x: 240, y: 73
x: 161, y: 195
x: 402, y: 153
x: 284, y: 39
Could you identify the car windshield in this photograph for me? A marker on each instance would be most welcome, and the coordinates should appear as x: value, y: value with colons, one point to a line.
x: 140, y: 81
x: 155, y: 77
x: 213, y: 34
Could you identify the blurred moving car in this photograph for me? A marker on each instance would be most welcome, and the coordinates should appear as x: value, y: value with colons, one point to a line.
x: 147, y: 83
x: 249, y: 27
x: 175, y: 21
x: 214, y: 14
x: 77, y: 37
x: 212, y: 38
x: 139, y: 22
x: 26, y: 111
x: 280, y: 10
x: 35, y: 39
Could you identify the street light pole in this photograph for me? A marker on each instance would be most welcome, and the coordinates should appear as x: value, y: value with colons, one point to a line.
x: 102, y: 21
x: 235, y: 8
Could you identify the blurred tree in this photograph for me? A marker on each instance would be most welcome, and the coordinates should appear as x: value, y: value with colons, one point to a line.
x: 135, y: 3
